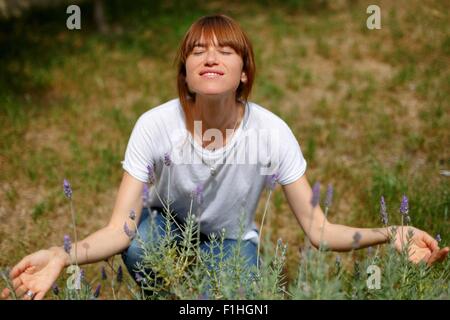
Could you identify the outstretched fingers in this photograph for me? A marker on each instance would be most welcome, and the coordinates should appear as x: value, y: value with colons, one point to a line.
x: 438, y: 256
x: 39, y: 296
x: 430, y: 242
x: 16, y: 283
x: 5, y: 293
x: 20, y: 291
x: 20, y: 267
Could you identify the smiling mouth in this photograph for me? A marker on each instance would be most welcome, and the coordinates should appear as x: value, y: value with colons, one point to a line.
x: 211, y: 75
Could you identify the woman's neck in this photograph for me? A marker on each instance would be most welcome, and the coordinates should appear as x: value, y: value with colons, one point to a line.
x: 220, y: 113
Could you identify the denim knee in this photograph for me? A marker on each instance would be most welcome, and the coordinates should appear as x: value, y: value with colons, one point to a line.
x: 151, y: 227
x: 133, y: 254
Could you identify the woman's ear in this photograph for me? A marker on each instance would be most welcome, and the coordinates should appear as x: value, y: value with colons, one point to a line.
x: 244, y: 77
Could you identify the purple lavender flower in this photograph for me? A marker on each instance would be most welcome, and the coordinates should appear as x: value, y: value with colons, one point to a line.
x: 119, y: 274
x: 103, y: 273
x: 404, y: 210
x: 329, y: 196
x: 55, y: 289
x: 316, y: 194
x: 67, y: 244
x: 67, y: 189
x: 383, y: 212
x: 438, y: 238
x: 128, y: 232
x: 82, y: 274
x: 356, y: 238
x: 79, y: 279
x: 145, y: 195
x: 151, y: 174
x: 272, y: 180
x: 369, y: 251
x: 197, y: 193
x: 138, y: 278
x: 132, y: 215
x: 97, y: 291
x: 167, y: 160
x: 404, y: 205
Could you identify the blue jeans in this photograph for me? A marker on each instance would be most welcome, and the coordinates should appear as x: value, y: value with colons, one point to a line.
x: 133, y: 254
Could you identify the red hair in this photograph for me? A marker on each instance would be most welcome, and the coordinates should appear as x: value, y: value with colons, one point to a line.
x: 228, y: 33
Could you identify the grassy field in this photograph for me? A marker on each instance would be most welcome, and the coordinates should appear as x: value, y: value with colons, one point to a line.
x: 370, y: 109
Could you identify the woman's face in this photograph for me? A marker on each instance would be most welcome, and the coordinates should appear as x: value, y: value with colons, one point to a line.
x: 213, y: 70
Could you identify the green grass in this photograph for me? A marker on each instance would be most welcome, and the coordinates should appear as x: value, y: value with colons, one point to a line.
x: 369, y: 108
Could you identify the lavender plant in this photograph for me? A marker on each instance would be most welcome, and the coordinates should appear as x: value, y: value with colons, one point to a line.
x: 175, y: 266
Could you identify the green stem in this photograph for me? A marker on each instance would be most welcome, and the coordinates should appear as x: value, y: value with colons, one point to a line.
x: 260, y: 228
x: 168, y: 191
x: 323, y: 228
x: 166, y: 208
x: 74, y: 231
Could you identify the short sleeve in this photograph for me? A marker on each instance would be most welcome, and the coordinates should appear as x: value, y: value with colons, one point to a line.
x: 139, y: 152
x: 292, y: 164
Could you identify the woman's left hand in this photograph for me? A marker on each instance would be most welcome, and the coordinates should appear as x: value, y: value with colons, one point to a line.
x: 423, y: 247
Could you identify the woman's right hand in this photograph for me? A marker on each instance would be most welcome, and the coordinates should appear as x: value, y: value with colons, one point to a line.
x: 36, y: 272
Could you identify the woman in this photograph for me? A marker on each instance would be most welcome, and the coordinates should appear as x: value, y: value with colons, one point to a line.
x: 186, y: 144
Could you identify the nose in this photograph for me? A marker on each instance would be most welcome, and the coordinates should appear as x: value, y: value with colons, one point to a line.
x: 211, y: 56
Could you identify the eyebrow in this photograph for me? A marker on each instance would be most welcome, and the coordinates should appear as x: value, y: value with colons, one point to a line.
x: 204, y: 45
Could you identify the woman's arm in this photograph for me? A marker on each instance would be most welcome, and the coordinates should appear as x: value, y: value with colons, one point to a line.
x: 312, y: 220
x: 111, y: 239
x: 341, y: 238
x: 38, y: 271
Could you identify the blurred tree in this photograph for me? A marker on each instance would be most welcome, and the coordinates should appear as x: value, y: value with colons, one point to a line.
x: 99, y: 16
x: 15, y: 8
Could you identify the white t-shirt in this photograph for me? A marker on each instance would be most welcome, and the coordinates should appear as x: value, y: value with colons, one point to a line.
x: 262, y: 145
